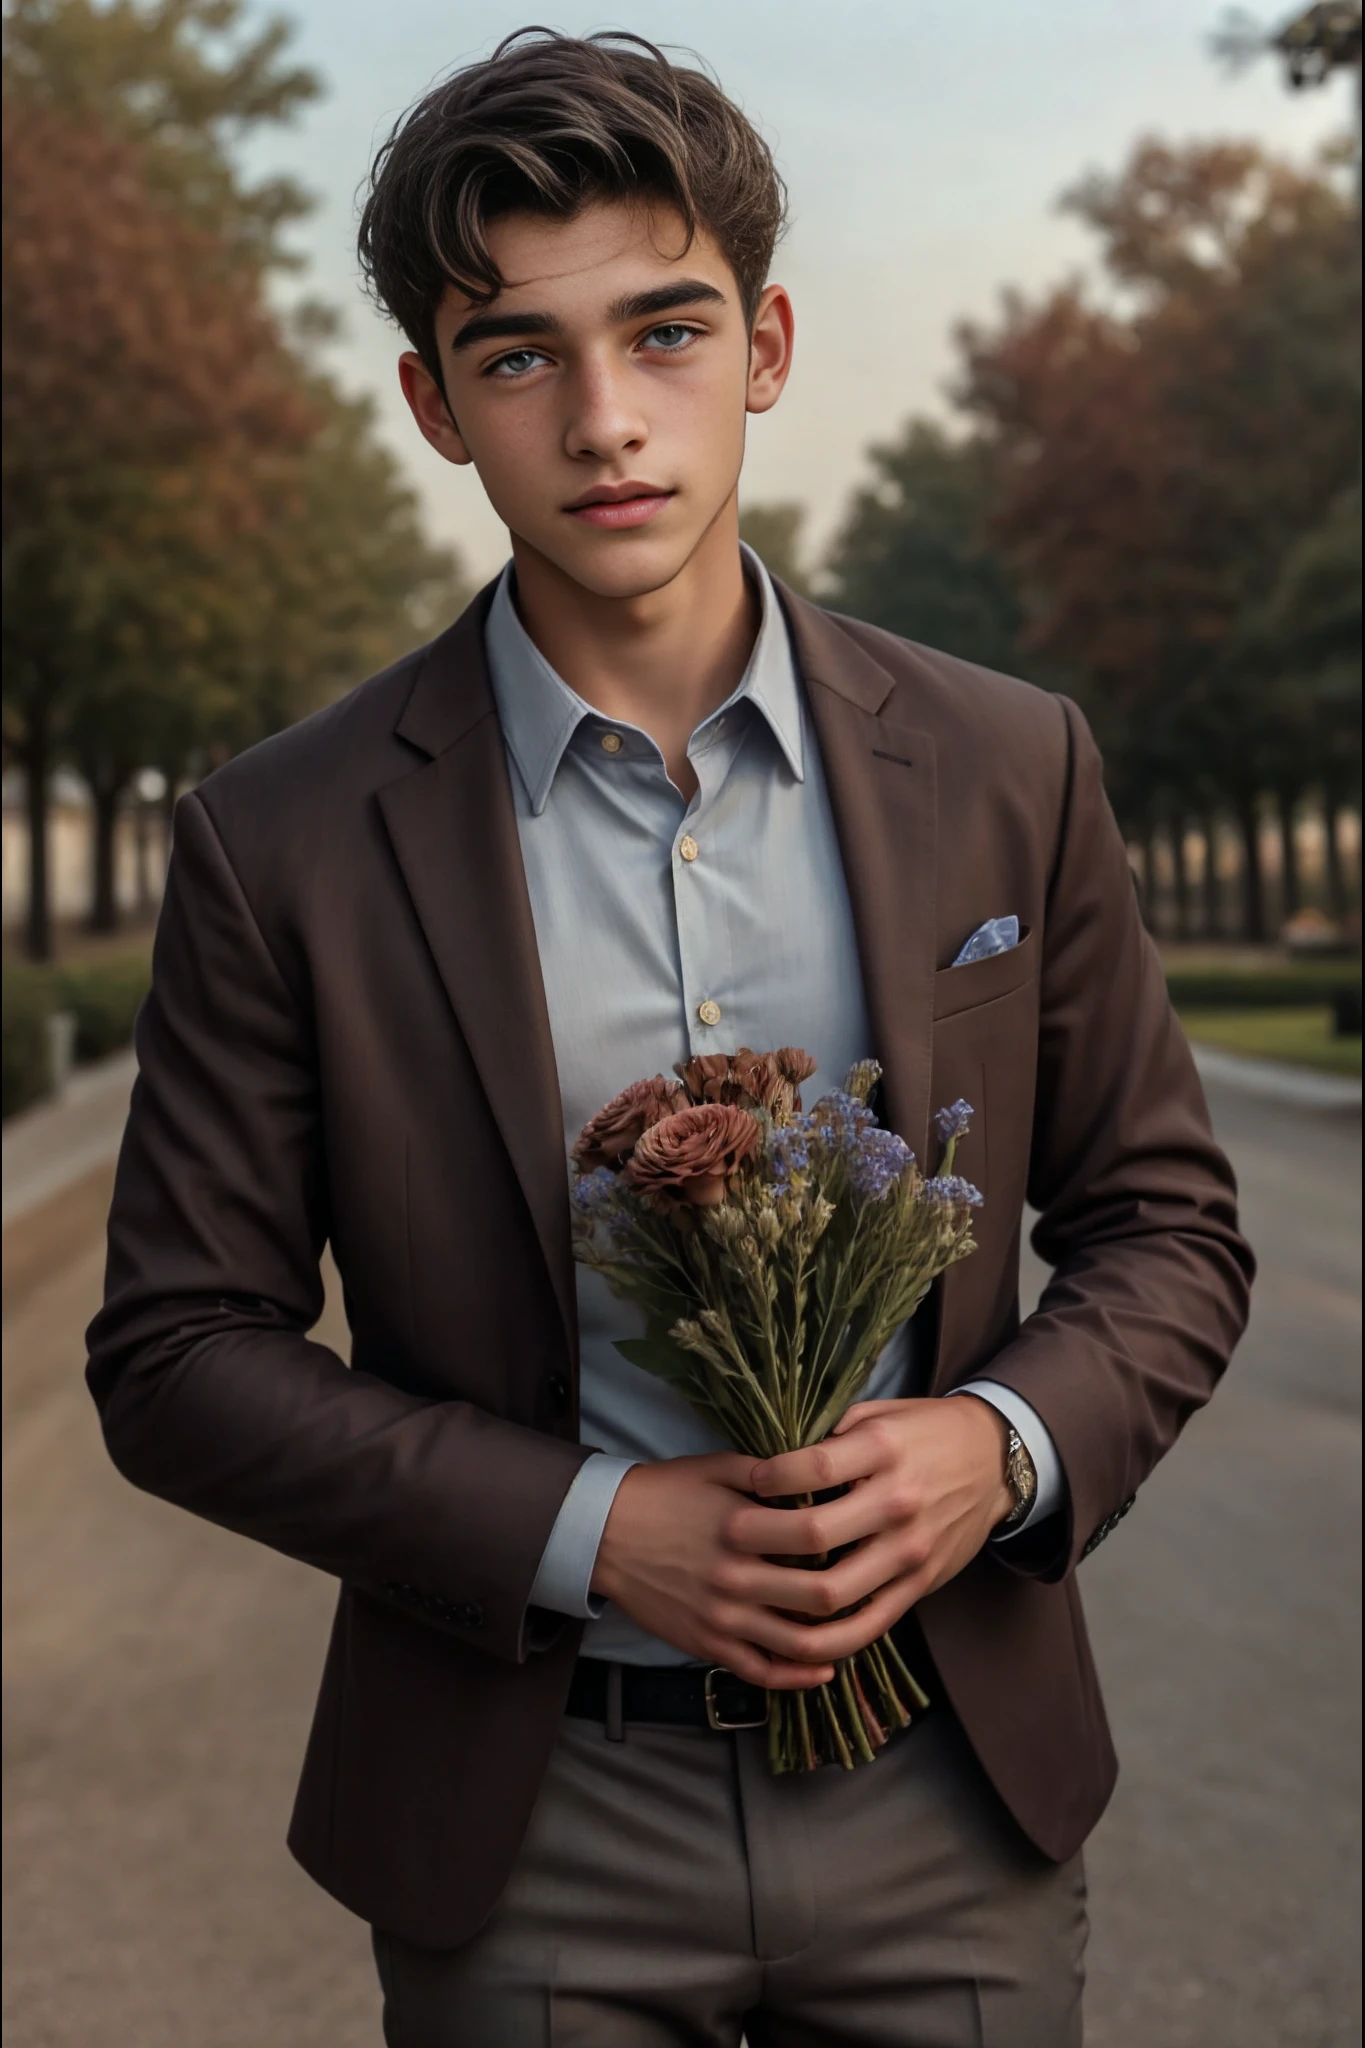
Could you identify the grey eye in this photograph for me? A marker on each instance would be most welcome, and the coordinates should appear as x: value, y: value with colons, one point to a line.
x: 671, y: 336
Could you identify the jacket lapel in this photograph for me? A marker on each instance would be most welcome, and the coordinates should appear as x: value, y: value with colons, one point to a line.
x: 881, y: 781
x: 453, y: 828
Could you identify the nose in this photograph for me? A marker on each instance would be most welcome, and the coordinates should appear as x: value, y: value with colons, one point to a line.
x: 605, y: 420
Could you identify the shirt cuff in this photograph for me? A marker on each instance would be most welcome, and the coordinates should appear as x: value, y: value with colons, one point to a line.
x: 1036, y: 1438
x: 567, y: 1561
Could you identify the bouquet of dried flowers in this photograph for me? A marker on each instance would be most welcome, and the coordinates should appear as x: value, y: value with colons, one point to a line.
x: 774, y: 1251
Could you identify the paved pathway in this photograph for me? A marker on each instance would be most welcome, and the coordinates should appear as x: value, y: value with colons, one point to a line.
x: 160, y: 1675
x: 48, y: 1147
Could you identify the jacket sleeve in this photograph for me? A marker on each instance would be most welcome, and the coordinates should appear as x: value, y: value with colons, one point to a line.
x: 211, y: 1393
x: 1138, y: 1216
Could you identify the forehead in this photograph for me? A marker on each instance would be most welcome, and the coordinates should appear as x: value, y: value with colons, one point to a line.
x: 578, y: 267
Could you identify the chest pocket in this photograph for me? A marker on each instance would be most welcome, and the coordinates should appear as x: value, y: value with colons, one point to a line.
x: 959, y: 989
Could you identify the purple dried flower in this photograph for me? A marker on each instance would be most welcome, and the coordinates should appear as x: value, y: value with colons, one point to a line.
x: 954, y: 1121
x: 951, y: 1188
x: 877, y: 1163
x: 837, y: 1119
x: 789, y: 1151
x: 596, y: 1196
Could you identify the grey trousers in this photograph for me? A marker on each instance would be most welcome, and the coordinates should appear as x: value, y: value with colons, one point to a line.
x: 671, y: 1892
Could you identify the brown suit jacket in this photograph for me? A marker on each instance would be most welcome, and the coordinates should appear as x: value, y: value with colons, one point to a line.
x: 347, y: 1040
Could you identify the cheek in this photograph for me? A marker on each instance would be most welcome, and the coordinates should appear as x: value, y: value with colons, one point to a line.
x: 710, y: 396
x: 510, y: 446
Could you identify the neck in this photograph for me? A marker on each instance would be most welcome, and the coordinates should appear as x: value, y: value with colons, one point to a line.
x: 662, y: 661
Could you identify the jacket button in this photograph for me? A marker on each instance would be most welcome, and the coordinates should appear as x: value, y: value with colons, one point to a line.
x: 560, y: 1393
x: 470, y: 1614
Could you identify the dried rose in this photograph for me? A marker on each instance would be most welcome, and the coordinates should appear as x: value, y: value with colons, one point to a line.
x: 794, y: 1065
x: 692, y: 1156
x: 706, y: 1076
x: 771, y: 1080
x: 611, y: 1136
x: 755, y: 1075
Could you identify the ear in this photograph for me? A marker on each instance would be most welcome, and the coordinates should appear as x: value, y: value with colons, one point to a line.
x: 770, y: 349
x: 427, y: 404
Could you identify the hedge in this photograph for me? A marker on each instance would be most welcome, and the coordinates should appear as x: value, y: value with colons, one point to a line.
x: 1262, y: 988
x: 27, y: 999
x: 104, y: 997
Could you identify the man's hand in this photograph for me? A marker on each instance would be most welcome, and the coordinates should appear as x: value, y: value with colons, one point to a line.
x: 666, y: 1561
x: 927, y: 1487
x: 691, y: 1558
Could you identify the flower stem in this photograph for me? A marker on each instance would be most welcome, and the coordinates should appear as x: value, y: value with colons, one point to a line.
x: 900, y: 1713
x: 809, y: 1759
x: 876, y: 1734
x: 843, y: 1754
x: 917, y: 1693
x: 856, y: 1728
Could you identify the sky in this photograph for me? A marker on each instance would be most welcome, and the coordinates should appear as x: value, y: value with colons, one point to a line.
x: 924, y: 143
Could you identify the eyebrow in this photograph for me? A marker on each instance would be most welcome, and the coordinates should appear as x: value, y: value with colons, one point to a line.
x: 665, y: 298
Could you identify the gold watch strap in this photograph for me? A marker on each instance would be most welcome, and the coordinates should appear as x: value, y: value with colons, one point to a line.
x: 1020, y: 1476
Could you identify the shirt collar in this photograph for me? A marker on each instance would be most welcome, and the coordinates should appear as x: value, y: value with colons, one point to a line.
x: 540, y: 714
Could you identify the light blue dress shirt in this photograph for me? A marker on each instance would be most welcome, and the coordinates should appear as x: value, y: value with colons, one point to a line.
x: 652, y: 916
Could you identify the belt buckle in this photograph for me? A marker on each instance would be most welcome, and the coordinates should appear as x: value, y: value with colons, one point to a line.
x: 713, y: 1713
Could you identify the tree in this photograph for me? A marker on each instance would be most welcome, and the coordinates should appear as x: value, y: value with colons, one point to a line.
x: 1161, y: 459
x: 140, y: 384
x: 183, y: 81
x: 343, y: 579
x: 913, y: 554
x: 1313, y: 617
x: 201, y: 538
x: 774, y: 534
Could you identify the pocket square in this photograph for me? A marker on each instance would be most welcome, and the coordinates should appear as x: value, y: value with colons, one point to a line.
x: 996, y: 935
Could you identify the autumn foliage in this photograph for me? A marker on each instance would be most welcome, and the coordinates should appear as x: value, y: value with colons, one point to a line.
x: 1153, y: 498
x: 201, y: 537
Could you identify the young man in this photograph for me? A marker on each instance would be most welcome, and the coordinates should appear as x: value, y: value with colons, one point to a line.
x: 640, y: 803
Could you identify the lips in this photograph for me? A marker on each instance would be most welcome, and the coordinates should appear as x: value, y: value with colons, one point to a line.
x: 614, y: 507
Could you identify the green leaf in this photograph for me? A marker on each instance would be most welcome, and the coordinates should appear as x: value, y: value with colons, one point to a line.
x: 678, y: 1369
x: 665, y: 1359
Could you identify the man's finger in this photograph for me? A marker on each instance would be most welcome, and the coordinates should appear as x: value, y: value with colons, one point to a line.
x: 809, y: 1532
x: 823, y: 1593
x: 826, y: 1642
x: 778, y: 1674
x: 838, y: 1461
x: 870, y: 1411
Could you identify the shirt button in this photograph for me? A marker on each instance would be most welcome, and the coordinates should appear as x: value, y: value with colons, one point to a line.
x: 612, y: 743
x: 689, y: 848
x: 709, y: 1012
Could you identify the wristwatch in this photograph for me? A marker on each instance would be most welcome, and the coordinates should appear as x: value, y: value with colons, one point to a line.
x: 1021, y: 1477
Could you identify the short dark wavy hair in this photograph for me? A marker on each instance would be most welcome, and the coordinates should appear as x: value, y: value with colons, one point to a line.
x: 548, y: 124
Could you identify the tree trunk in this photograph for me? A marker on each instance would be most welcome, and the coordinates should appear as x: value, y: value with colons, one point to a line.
x: 1213, y: 902
x: 1147, y: 842
x: 1334, y: 867
x: 142, y: 839
x: 168, y: 813
x: 1181, y: 873
x: 1291, y: 881
x: 1253, y: 877
x: 105, y: 794
x: 38, y: 924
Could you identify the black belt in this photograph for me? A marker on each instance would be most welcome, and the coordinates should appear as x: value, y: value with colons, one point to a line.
x: 684, y: 1695
x: 692, y: 1695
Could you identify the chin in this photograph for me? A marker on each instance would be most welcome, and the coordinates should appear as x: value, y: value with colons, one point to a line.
x: 625, y: 565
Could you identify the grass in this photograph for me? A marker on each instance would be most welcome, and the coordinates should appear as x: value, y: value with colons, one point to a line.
x: 1301, y: 1037
x: 74, y: 946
